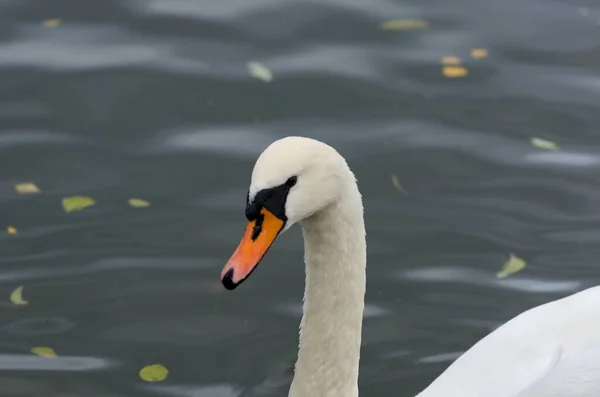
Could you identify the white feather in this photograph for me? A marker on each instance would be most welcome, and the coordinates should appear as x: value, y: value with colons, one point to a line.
x: 552, y: 350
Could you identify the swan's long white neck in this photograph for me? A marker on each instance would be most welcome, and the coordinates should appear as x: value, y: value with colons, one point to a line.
x: 331, y: 327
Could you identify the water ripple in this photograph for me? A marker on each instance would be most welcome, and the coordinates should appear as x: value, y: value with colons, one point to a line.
x: 462, y: 275
x: 17, y: 362
x: 150, y: 98
x: 9, y: 139
x: 106, y: 265
x: 194, y: 391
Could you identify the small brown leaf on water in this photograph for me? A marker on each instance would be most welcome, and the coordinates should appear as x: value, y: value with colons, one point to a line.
x: 450, y: 60
x: 27, y: 188
x: 404, y: 24
x: 478, y: 53
x: 453, y: 72
x: 513, y: 265
x: 52, y: 23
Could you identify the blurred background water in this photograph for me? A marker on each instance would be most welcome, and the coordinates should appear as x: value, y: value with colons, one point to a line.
x: 153, y: 99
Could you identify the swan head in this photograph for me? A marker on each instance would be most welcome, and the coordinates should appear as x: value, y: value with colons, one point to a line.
x: 293, y: 179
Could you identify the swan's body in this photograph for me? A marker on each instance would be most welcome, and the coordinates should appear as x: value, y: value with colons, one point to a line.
x: 552, y: 350
x: 549, y: 351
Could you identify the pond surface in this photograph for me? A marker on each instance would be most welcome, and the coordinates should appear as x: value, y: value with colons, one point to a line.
x: 152, y: 99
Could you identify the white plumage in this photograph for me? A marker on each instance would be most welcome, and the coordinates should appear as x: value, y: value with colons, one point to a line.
x: 552, y: 350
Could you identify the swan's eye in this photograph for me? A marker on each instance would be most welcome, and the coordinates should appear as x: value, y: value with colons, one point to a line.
x: 291, y: 181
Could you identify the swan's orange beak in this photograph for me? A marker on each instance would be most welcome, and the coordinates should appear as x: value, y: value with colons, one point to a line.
x: 259, y: 236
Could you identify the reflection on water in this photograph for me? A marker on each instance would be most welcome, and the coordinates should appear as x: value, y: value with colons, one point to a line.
x: 194, y: 391
x: 33, y: 363
x: 38, y: 326
x: 152, y: 99
x: 459, y: 276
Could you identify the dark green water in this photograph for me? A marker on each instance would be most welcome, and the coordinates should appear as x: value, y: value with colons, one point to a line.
x: 152, y: 99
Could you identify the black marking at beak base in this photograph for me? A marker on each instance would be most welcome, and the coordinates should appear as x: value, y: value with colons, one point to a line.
x: 273, y: 199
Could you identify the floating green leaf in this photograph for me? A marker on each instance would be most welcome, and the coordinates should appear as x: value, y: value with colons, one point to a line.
x: 16, y: 297
x: 138, y: 203
x: 43, y: 351
x: 27, y: 188
x: 259, y: 71
x: 77, y: 203
x: 543, y: 144
x: 396, y: 184
x: 513, y: 265
x: 154, y: 373
x: 11, y: 229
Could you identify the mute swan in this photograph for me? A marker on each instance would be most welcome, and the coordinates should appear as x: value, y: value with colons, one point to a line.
x: 552, y: 350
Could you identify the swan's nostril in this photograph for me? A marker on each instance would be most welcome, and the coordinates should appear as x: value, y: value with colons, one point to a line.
x: 257, y: 227
x: 227, y: 280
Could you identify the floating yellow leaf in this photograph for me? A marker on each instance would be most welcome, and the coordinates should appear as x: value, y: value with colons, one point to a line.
x: 454, y: 71
x: 51, y: 23
x: 259, y: 71
x: 543, y: 144
x: 450, y: 60
x: 513, y: 265
x: 138, y: 203
x: 11, y: 230
x: 43, y: 351
x: 16, y: 297
x: 397, y: 185
x: 479, y: 53
x: 77, y: 203
x: 27, y: 188
x: 154, y: 373
x: 404, y: 24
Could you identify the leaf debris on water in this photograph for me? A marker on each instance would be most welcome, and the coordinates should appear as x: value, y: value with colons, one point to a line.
x: 52, y: 23
x: 404, y: 24
x: 43, y: 351
x: 16, y: 297
x: 543, y: 144
x: 450, y: 60
x: 27, y: 188
x: 513, y: 265
x: 154, y: 373
x: 11, y: 229
x: 454, y: 71
x: 77, y: 203
x: 259, y: 71
x: 478, y: 53
x: 138, y: 203
x: 397, y: 185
